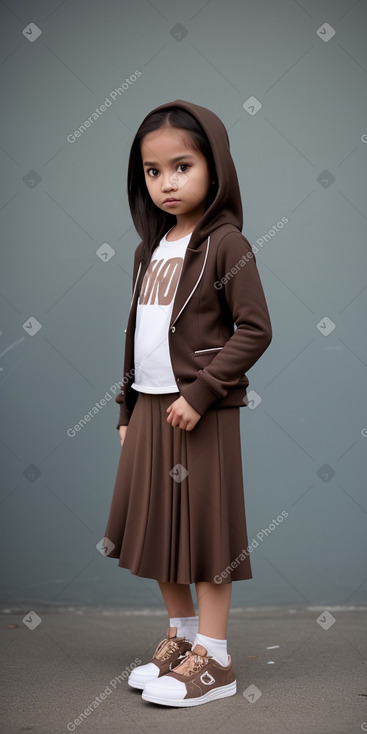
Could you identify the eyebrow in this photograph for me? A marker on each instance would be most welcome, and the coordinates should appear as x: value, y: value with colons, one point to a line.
x: 173, y: 160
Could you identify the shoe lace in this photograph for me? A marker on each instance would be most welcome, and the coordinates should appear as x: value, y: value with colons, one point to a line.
x: 191, y: 663
x: 165, y: 649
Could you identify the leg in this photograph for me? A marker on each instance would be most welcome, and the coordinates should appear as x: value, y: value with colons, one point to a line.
x: 178, y: 599
x: 199, y: 681
x: 180, y: 608
x: 213, y: 601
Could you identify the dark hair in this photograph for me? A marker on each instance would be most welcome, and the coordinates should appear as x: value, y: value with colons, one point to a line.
x: 150, y: 222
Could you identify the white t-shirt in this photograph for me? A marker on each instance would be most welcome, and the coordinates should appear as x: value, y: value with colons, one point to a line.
x: 153, y: 366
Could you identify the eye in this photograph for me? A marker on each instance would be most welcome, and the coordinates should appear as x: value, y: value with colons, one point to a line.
x: 180, y: 165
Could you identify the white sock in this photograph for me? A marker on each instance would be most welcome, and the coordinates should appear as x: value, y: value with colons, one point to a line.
x: 186, y: 626
x: 216, y: 648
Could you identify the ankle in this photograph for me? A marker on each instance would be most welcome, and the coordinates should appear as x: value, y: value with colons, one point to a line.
x: 186, y: 626
x: 215, y: 647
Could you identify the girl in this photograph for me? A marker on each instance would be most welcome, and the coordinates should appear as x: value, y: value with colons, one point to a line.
x: 198, y: 321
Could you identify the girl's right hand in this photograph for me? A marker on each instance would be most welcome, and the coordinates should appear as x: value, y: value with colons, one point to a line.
x: 122, y: 432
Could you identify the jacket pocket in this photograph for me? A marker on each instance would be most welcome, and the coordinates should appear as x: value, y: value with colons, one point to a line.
x: 205, y: 351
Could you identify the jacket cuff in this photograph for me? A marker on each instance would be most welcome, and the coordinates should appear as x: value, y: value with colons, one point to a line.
x: 123, y: 417
x: 199, y: 396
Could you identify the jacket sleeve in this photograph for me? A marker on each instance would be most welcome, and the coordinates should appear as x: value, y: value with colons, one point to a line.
x: 124, y: 415
x: 236, y: 265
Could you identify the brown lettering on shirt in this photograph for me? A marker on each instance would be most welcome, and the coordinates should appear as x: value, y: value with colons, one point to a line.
x: 160, y: 281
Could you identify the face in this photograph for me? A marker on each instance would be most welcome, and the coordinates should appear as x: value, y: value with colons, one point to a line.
x: 173, y: 169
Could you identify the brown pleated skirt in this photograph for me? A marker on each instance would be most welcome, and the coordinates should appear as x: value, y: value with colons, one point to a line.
x: 178, y: 512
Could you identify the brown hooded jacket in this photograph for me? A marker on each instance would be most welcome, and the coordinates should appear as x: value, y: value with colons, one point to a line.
x: 220, y: 324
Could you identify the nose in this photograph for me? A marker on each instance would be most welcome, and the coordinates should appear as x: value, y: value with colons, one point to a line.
x: 169, y: 182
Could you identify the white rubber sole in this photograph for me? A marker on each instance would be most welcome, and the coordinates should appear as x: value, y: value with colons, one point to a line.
x: 212, y: 695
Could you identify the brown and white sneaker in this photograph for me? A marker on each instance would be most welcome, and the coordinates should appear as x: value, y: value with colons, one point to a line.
x: 197, y: 679
x: 167, y: 655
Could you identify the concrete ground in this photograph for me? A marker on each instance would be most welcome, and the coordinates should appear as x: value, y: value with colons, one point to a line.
x: 300, y: 670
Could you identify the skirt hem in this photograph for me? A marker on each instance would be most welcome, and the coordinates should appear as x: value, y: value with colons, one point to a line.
x: 177, y: 581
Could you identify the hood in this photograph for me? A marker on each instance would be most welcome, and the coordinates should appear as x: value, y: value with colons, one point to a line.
x: 227, y: 205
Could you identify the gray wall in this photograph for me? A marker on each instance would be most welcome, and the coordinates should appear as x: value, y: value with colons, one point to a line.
x: 301, y: 161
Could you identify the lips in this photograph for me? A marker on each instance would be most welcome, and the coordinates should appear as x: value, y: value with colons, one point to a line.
x: 168, y: 200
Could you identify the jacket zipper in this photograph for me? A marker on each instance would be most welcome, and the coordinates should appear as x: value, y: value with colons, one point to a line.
x: 136, y: 280
x: 196, y: 284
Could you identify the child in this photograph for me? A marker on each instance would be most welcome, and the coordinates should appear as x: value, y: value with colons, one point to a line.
x: 198, y: 321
